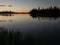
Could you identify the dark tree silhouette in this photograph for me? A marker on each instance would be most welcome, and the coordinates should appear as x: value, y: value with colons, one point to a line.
x: 49, y: 12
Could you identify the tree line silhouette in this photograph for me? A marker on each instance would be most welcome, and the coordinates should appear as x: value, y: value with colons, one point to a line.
x: 49, y: 12
x: 6, y: 12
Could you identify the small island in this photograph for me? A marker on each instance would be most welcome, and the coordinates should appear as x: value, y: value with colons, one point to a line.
x: 48, y: 12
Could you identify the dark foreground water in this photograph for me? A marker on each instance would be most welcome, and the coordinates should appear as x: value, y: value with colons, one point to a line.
x: 44, y: 30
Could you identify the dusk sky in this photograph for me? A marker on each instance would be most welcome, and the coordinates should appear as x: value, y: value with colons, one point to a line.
x: 26, y: 5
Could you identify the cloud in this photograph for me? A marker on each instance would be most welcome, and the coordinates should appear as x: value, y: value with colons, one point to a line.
x: 3, y: 20
x: 3, y: 5
x: 6, y: 20
x: 6, y: 5
x: 9, y: 5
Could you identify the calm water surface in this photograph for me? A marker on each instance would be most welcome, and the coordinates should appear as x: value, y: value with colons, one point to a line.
x: 42, y: 28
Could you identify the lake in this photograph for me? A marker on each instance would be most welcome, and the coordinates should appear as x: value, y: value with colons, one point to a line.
x: 42, y: 29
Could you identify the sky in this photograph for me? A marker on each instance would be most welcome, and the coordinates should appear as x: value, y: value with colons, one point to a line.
x: 26, y: 5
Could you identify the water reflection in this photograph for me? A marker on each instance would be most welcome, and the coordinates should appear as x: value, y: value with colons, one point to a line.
x: 7, y: 14
x: 42, y: 17
x: 47, y: 37
x: 44, y: 31
x: 33, y: 16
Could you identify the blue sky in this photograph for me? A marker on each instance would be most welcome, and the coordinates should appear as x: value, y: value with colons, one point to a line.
x: 28, y: 4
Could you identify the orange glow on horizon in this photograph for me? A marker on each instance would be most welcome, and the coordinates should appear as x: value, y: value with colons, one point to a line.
x: 16, y: 10
x: 21, y: 10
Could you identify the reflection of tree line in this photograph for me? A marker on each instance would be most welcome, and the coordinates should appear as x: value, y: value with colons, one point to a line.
x: 45, y: 18
x: 50, y: 12
x: 7, y: 14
